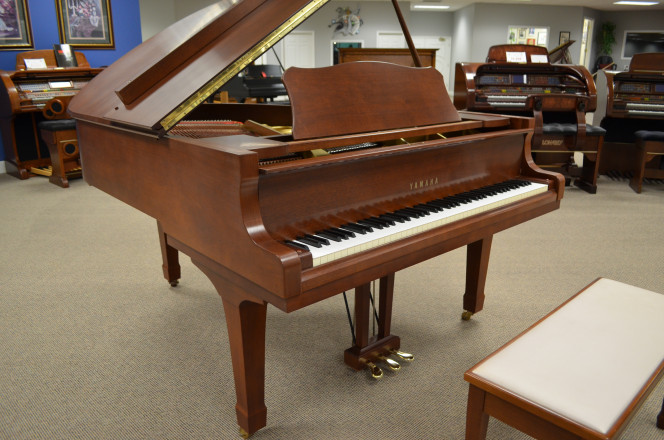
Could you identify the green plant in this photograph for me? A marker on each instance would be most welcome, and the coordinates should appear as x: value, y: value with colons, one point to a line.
x: 606, y: 37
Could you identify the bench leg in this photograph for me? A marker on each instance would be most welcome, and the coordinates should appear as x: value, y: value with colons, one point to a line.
x: 636, y: 182
x: 477, y: 421
x: 660, y: 417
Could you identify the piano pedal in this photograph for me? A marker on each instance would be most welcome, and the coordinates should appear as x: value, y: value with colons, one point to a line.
x: 391, y: 363
x: 466, y: 315
x: 376, y: 371
x: 403, y: 355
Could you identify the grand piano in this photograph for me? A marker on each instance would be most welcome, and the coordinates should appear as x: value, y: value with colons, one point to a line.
x: 519, y: 79
x: 354, y: 194
x: 628, y: 102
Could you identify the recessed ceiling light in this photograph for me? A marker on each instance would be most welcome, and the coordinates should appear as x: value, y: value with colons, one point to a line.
x: 635, y: 2
x: 429, y: 7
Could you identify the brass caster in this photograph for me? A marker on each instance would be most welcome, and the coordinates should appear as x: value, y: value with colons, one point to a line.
x: 466, y: 315
x: 391, y: 363
x: 375, y: 370
x: 243, y: 433
x: 174, y: 283
x: 403, y: 355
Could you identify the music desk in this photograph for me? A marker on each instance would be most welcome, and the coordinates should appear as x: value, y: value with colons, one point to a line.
x: 579, y: 373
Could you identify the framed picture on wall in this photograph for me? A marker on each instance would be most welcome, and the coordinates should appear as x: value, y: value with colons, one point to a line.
x: 563, y: 38
x: 15, y: 30
x: 85, y: 23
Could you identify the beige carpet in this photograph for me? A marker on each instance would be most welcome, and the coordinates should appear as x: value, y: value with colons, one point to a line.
x: 96, y: 345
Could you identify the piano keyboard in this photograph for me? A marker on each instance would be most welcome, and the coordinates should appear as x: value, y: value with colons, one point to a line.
x: 351, y: 238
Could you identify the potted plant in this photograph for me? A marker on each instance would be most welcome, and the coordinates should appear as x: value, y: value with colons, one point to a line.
x: 606, y: 38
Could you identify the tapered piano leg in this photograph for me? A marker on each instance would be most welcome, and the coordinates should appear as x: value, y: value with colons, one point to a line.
x: 245, y: 319
x: 477, y: 264
x: 371, y: 349
x: 169, y: 256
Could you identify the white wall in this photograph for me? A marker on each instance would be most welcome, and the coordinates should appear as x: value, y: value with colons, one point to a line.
x: 156, y: 15
x: 473, y: 29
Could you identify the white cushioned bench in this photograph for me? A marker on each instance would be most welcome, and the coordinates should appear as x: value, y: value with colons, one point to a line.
x: 578, y: 373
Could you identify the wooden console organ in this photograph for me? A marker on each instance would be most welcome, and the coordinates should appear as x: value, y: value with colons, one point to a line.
x: 628, y: 102
x: 30, y: 96
x: 353, y: 195
x: 519, y: 80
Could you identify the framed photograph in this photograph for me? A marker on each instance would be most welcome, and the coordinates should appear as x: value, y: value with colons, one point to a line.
x: 564, y: 37
x: 15, y: 30
x: 85, y: 23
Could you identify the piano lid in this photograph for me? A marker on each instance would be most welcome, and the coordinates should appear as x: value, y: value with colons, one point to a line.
x: 159, y: 82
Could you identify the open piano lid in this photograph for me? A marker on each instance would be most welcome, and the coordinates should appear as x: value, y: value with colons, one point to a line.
x: 159, y: 82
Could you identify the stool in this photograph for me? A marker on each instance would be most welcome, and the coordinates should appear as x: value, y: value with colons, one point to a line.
x: 649, y: 144
x: 555, y: 141
x: 579, y: 373
x: 60, y: 137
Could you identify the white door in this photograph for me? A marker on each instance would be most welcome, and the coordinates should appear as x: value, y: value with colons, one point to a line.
x: 299, y: 50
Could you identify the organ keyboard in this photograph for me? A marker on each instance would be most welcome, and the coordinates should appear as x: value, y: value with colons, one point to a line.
x: 519, y: 79
x: 627, y: 102
x: 251, y: 205
x: 23, y: 96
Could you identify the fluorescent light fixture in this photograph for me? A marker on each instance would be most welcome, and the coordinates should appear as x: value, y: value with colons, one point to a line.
x: 429, y: 7
x: 635, y: 2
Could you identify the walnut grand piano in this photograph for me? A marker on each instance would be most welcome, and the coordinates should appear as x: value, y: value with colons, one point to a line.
x: 354, y: 194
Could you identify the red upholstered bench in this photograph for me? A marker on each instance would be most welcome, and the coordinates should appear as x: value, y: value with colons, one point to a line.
x: 578, y: 373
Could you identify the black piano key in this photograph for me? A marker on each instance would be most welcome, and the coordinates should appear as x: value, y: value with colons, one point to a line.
x: 329, y: 235
x: 309, y: 241
x: 356, y: 228
x: 343, y: 232
x: 385, y: 221
x: 411, y: 213
x: 427, y: 207
x: 395, y: 217
x: 297, y: 245
x: 370, y: 223
x: 319, y: 239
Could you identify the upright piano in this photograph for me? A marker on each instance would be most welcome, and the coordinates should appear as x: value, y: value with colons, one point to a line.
x: 518, y: 79
x: 24, y: 94
x: 355, y: 193
x: 628, y: 102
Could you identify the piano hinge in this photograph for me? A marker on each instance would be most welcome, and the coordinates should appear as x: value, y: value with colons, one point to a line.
x: 213, y: 85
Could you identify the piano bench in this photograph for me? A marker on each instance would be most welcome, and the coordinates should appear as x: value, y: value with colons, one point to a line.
x: 578, y: 373
x: 649, y: 144
x: 60, y: 137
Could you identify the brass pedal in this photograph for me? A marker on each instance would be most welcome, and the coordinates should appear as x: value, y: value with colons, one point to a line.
x: 376, y: 371
x: 403, y: 355
x: 391, y: 363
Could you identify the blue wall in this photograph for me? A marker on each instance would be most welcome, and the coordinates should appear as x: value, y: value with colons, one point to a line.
x: 44, y: 20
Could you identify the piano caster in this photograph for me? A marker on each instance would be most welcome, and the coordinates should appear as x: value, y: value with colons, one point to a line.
x: 466, y: 315
x: 403, y: 355
x: 174, y: 283
x: 376, y: 371
x: 243, y: 433
x: 391, y: 363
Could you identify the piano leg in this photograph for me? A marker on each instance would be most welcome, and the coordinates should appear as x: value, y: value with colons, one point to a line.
x: 169, y: 256
x: 477, y: 264
x: 245, y: 319
x: 368, y: 350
